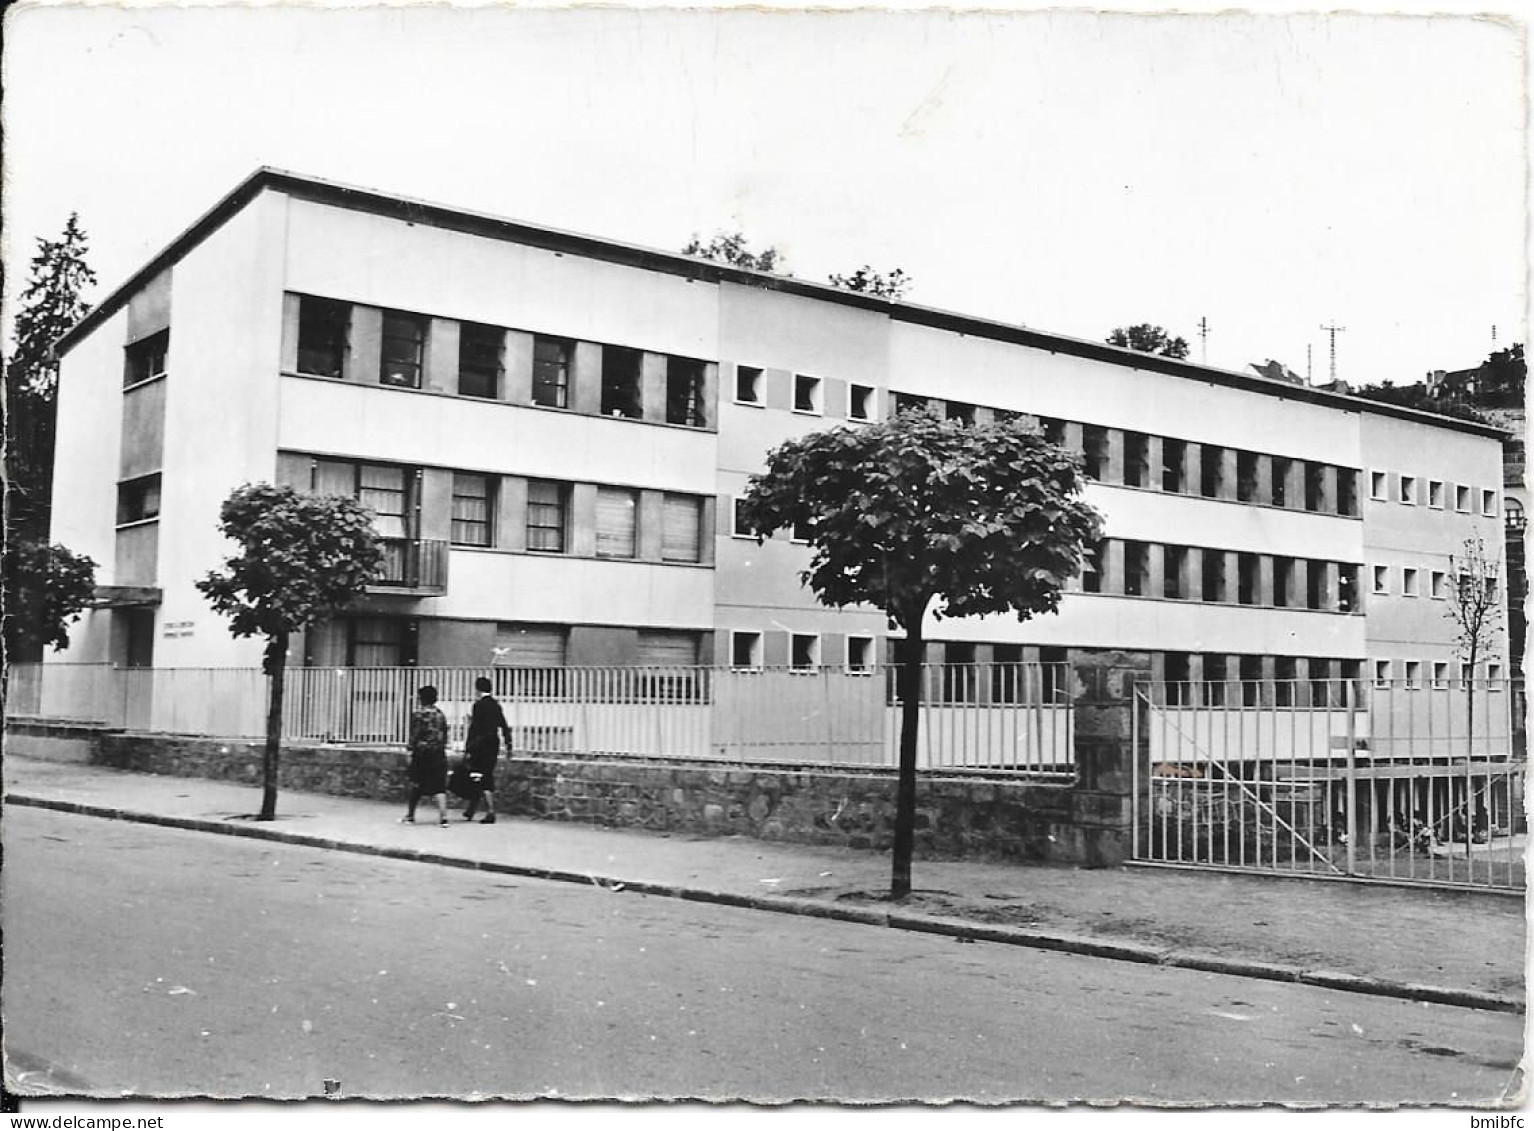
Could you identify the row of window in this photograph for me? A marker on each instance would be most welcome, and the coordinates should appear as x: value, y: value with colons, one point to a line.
x: 1411, y: 491
x: 1192, y: 573
x: 394, y: 642
x: 1441, y: 673
x: 325, y: 333
x: 393, y: 493
x: 1438, y: 583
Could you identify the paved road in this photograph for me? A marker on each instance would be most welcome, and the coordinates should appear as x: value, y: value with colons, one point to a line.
x: 159, y: 961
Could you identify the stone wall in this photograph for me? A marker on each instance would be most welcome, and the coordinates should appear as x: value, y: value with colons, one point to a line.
x: 983, y: 817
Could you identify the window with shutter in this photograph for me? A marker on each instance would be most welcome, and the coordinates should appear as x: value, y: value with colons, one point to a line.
x: 681, y: 527
x: 666, y: 649
x: 617, y: 524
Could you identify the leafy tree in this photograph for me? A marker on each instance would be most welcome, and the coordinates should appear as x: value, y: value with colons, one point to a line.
x: 1475, y: 609
x: 51, y: 304
x: 869, y: 281
x: 302, y: 558
x: 1145, y: 338
x: 46, y: 587
x: 916, y: 514
x: 1420, y: 397
x: 731, y: 248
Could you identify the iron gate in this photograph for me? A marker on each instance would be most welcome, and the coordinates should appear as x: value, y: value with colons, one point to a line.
x: 1401, y: 780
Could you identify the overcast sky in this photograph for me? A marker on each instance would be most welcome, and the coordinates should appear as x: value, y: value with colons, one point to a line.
x: 1069, y: 170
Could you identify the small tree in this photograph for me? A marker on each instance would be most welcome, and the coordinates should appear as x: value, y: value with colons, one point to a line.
x: 1475, y: 610
x: 302, y: 558
x: 731, y: 248
x: 1146, y: 338
x: 869, y: 281
x: 918, y: 513
x: 50, y: 304
x: 46, y: 587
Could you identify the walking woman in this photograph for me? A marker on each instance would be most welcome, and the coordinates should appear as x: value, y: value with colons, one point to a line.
x: 428, y: 755
x: 482, y: 746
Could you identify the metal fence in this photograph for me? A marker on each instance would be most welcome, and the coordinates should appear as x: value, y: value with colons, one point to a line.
x: 1410, y: 781
x: 1012, y: 718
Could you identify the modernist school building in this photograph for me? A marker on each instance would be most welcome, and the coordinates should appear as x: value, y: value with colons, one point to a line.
x: 554, y: 429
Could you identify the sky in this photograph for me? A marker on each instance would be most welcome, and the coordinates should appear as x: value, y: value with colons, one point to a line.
x: 1069, y: 170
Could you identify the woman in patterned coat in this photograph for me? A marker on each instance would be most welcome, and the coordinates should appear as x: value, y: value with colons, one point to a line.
x: 428, y: 755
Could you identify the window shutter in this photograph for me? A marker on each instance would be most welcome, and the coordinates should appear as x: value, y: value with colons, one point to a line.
x: 668, y: 649
x: 681, y: 525
x: 616, y: 524
x: 531, y: 646
x: 332, y: 477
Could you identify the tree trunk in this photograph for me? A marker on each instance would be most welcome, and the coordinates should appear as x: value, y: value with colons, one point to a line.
x: 1470, y: 755
x: 905, y: 793
x: 276, y: 669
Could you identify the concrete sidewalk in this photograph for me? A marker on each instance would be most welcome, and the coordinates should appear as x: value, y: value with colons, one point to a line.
x: 1462, y: 948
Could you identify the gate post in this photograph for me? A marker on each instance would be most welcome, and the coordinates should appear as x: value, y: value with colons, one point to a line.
x: 1111, y: 754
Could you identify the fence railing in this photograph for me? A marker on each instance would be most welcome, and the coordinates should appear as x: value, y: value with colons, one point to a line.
x: 998, y: 717
x: 1411, y: 780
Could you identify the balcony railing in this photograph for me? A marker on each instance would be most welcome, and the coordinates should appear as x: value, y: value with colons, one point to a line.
x: 412, y: 565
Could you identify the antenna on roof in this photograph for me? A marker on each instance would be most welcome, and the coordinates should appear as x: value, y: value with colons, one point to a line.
x: 1203, y: 340
x: 1307, y: 363
x: 1334, y: 331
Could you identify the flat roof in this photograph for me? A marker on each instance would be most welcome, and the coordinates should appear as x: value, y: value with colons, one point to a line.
x: 340, y: 195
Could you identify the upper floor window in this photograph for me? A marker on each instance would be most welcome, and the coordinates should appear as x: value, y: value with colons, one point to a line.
x: 1315, y: 486
x: 1489, y: 504
x: 1246, y: 476
x: 1136, y: 568
x: 547, y: 510
x: 1211, y: 466
x: 806, y: 393
x: 1174, y: 465
x: 739, y: 527
x: 473, y: 507
x: 1092, y: 569
x: 620, y: 382
x: 1136, y: 459
x: 1278, y: 493
x: 551, y: 372
x: 1379, y: 486
x: 860, y: 401
x: 1347, y: 587
x: 748, y: 384
x: 1462, y: 498
x: 385, y: 489
x: 860, y: 654
x: 404, y: 350
x: 617, y: 522
x: 322, y: 329
x: 145, y: 358
x: 1435, y: 493
x: 1347, y: 492
x: 684, y: 392
x: 480, y: 350
x: 1094, y: 442
x: 1409, y: 490
x: 681, y: 528
x: 138, y: 499
x: 958, y: 410
x: 746, y: 650
x: 908, y: 402
x: 803, y: 652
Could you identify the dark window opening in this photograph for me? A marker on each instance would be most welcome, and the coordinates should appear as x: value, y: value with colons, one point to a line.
x: 138, y: 499
x: 551, y: 372
x: 322, y: 329
x: 1247, y: 583
x: 1347, y: 492
x: 480, y: 364
x: 684, y: 392
x: 1284, y: 681
x: 1174, y: 560
x: 1246, y: 477
x: 380, y: 642
x: 1092, y: 568
x: 1279, y: 494
x: 959, y: 673
x: 1053, y: 675
x: 1214, y: 679
x: 1324, y: 691
x: 146, y: 358
x: 1094, y: 440
x: 1283, y: 582
x: 1213, y: 579
x: 1136, y: 459
x: 1315, y: 585
x: 1179, y: 691
x: 905, y: 402
x: 1053, y: 429
x: 860, y: 400
x: 1315, y: 485
x: 1347, y: 587
x: 1174, y: 459
x: 404, y: 349
x: 620, y: 382
x: 1211, y: 463
x: 1251, y: 680
x: 806, y: 393
x: 1136, y: 568
x: 958, y: 410
x: 1008, y: 677
x: 748, y: 384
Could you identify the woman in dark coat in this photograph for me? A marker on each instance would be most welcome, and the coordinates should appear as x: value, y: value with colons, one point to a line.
x: 481, y: 748
x: 428, y: 755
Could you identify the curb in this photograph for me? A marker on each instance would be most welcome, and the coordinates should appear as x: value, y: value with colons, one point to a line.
x: 871, y: 916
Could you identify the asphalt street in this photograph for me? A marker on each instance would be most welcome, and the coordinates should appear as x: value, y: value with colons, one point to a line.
x: 158, y: 961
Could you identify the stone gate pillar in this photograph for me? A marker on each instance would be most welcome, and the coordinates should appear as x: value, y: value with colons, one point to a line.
x: 1104, y: 705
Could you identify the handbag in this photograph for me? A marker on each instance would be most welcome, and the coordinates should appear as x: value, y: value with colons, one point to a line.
x: 459, y: 784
